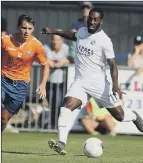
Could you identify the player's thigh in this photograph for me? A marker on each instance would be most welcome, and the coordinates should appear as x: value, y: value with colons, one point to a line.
x: 75, y: 97
x: 15, y: 94
x: 12, y: 105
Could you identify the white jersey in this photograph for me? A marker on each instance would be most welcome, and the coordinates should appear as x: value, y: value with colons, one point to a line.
x: 92, y: 52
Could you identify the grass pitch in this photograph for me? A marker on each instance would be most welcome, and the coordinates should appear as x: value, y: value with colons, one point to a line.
x: 33, y: 148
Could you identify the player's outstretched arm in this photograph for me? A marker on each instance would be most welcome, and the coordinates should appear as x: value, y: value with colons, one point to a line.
x: 70, y: 35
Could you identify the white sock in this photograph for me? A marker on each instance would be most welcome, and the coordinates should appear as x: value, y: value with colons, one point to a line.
x: 65, y: 118
x: 129, y: 115
x: 65, y: 123
x: 75, y: 114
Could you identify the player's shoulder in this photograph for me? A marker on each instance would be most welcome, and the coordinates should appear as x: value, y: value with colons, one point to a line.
x: 106, y: 39
x: 105, y: 36
x: 35, y: 41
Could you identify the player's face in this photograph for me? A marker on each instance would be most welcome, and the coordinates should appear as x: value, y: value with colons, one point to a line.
x: 26, y: 29
x: 93, y: 22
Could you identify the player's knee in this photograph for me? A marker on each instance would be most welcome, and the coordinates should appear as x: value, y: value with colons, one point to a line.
x: 121, y: 114
x: 120, y: 117
x: 5, y: 116
x: 117, y: 113
x: 71, y: 103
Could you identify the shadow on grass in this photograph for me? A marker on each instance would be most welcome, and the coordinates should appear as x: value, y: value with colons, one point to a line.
x: 29, y: 153
x: 38, y: 154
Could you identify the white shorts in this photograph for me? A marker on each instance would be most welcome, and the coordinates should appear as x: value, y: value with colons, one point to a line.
x: 100, y: 91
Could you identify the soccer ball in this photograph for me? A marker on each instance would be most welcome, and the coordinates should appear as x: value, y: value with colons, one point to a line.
x: 93, y: 147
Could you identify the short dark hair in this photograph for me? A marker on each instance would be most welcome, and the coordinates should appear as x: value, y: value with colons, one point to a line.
x: 25, y: 17
x: 99, y: 11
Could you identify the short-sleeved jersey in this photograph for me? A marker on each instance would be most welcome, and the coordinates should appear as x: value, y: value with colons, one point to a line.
x: 92, y: 52
x: 17, y: 58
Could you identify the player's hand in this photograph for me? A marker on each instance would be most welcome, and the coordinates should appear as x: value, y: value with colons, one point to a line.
x: 41, y: 91
x: 116, y: 90
x: 46, y: 30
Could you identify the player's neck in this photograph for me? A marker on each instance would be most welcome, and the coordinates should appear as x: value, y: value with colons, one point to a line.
x: 19, y: 39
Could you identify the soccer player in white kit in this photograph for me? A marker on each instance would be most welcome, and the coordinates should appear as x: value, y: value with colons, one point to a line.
x: 94, y: 50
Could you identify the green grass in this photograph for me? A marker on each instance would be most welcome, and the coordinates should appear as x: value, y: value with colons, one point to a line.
x: 33, y: 148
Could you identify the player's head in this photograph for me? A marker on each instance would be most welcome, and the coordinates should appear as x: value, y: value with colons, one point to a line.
x: 95, y: 19
x: 26, y: 26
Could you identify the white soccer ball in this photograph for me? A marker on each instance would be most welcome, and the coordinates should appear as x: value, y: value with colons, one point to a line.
x: 93, y: 147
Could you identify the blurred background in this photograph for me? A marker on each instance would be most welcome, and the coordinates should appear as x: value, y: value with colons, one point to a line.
x: 123, y: 23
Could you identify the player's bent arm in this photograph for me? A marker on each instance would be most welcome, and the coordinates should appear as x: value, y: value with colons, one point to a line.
x: 43, y: 60
x: 45, y: 73
x: 70, y: 35
x: 113, y: 72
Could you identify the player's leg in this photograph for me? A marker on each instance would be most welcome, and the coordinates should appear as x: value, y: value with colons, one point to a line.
x: 9, y: 107
x: 13, y: 96
x: 5, y: 117
x: 5, y: 114
x: 68, y: 113
x: 126, y: 115
x: 114, y: 106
